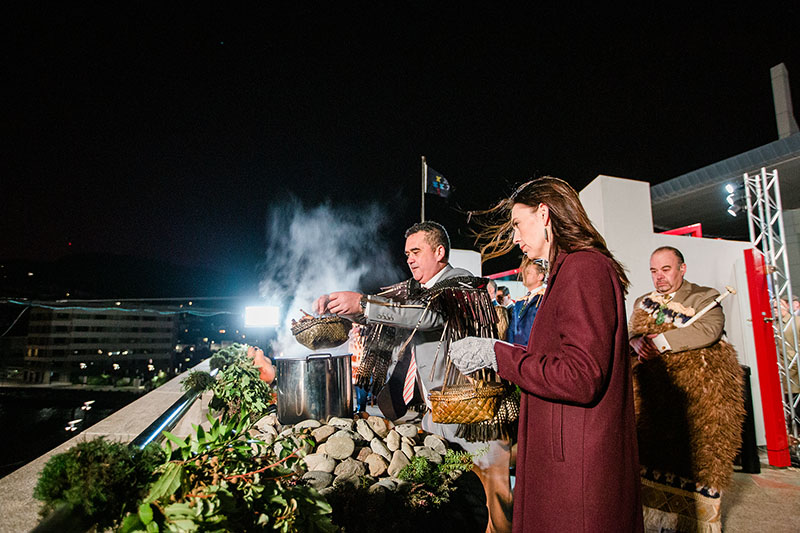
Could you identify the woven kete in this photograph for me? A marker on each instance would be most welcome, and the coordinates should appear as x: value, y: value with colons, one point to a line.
x: 321, y: 333
x: 466, y: 403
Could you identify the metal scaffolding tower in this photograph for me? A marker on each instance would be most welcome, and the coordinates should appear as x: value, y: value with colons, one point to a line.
x: 765, y: 220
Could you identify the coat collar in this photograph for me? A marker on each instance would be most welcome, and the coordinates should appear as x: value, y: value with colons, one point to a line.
x: 556, y: 266
x: 683, y: 291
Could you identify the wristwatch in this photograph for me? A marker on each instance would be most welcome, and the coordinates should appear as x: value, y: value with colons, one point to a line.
x: 363, y: 303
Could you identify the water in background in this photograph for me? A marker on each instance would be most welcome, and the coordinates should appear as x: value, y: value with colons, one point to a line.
x: 33, y: 420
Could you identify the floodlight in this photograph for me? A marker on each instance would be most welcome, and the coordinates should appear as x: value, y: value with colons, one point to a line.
x: 734, y: 210
x: 729, y: 188
x: 261, y: 316
x: 730, y: 199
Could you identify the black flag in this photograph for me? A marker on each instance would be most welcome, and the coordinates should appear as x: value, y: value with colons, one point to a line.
x: 437, y: 184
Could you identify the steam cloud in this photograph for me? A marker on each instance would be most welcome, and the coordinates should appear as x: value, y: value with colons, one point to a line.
x: 318, y: 250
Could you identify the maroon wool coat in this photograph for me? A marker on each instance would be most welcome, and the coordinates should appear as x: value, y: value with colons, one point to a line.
x: 577, y: 459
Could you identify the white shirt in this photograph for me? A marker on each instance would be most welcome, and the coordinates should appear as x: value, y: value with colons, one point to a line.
x: 431, y: 282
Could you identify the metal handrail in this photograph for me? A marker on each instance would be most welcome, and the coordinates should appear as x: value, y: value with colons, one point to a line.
x: 166, y: 421
x: 67, y: 519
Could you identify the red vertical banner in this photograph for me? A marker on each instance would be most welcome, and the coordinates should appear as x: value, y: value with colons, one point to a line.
x: 767, y: 360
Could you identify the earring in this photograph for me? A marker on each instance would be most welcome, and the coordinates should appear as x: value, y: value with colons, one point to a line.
x: 546, y: 236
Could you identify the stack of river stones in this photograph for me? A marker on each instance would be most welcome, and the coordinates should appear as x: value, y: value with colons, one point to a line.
x: 353, y: 452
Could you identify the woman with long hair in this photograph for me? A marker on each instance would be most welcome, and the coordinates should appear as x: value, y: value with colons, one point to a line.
x: 577, y: 462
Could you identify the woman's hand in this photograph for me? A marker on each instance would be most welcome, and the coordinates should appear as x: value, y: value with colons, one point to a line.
x: 473, y: 353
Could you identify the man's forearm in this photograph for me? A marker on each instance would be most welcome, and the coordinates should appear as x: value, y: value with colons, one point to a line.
x: 705, y: 332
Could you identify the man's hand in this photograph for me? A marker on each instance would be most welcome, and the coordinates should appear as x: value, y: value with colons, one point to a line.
x: 342, y: 303
x: 644, y: 347
x: 321, y: 304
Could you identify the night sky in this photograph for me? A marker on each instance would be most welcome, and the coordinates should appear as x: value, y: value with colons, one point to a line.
x: 170, y: 132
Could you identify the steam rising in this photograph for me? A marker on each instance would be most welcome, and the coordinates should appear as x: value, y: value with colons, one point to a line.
x: 315, y: 251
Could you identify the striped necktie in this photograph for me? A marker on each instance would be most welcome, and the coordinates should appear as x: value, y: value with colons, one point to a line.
x: 411, y: 377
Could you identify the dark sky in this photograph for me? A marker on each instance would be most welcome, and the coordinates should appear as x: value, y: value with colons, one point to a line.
x: 169, y: 132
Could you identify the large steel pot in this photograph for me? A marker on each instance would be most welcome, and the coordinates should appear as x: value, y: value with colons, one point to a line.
x: 315, y: 386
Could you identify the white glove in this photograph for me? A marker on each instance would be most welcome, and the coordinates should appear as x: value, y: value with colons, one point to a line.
x: 473, y: 353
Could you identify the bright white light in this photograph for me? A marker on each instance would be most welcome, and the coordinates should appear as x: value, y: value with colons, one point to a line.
x: 729, y: 188
x: 261, y: 316
x: 730, y: 199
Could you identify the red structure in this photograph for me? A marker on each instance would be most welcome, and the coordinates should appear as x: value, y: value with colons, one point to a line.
x: 693, y: 230
x: 767, y: 360
x: 512, y: 272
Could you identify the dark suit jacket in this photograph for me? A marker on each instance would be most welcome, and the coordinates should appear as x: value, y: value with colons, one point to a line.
x: 577, y: 462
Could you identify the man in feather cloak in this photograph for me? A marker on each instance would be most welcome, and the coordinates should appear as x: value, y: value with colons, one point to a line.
x: 688, y: 399
x: 410, y: 325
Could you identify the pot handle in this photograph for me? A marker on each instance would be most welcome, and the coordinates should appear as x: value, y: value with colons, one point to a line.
x: 319, y: 356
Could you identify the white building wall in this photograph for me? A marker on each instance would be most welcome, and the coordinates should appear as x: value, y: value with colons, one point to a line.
x: 466, y: 259
x: 621, y: 211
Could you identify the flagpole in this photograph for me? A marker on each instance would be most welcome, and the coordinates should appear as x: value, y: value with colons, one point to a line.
x: 424, y: 183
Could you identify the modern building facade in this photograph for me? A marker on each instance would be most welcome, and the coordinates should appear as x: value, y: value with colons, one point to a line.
x: 71, y: 344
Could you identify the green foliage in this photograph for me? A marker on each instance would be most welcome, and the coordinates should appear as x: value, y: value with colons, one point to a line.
x: 432, y: 483
x: 227, y: 356
x: 101, y: 478
x: 103, y: 379
x: 218, y: 480
x: 159, y: 379
x: 238, y: 384
x: 198, y: 381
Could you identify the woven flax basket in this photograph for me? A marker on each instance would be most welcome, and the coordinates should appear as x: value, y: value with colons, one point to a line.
x: 466, y: 403
x: 321, y: 333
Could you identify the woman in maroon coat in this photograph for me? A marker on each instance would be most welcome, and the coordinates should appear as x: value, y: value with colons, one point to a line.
x: 577, y: 464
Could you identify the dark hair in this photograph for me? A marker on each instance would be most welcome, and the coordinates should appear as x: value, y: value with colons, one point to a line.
x: 504, y: 289
x: 435, y: 235
x: 570, y: 226
x: 672, y: 249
